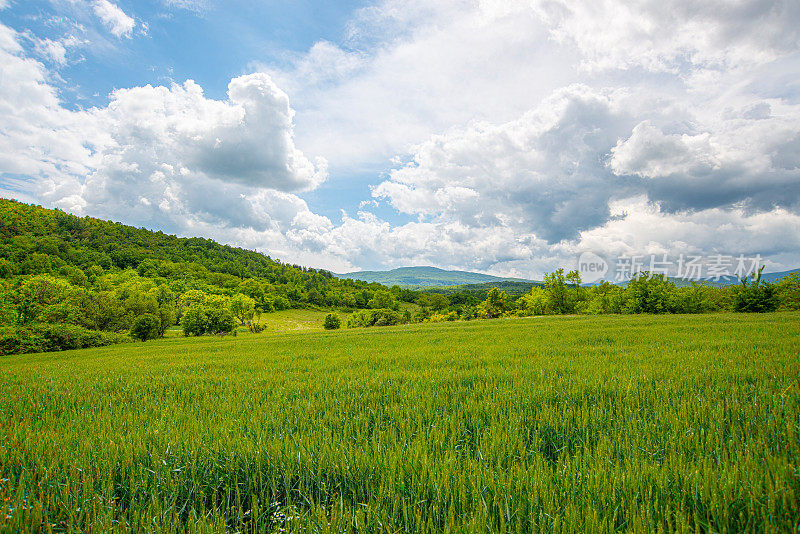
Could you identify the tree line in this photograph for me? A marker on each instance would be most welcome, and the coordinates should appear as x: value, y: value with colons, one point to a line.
x: 562, y: 293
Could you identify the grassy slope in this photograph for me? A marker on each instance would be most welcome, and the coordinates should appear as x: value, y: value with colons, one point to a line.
x: 590, y: 422
x: 274, y: 322
x: 290, y: 320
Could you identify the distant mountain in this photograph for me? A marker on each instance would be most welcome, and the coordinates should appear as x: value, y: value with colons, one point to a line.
x: 774, y: 277
x: 721, y: 282
x: 425, y: 277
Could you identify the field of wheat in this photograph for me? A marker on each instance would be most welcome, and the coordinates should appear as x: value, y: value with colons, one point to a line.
x: 555, y: 424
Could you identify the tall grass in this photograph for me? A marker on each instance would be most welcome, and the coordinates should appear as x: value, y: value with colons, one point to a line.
x: 557, y: 424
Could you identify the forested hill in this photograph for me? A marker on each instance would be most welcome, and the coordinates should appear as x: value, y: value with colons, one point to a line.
x: 60, y: 273
x: 38, y: 240
x: 34, y: 240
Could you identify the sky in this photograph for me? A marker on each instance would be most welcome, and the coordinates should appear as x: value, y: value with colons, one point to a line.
x: 506, y: 137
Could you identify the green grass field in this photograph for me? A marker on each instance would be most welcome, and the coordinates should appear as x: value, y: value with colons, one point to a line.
x: 555, y: 424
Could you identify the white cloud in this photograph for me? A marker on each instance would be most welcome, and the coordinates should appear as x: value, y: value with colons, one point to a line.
x: 739, y: 158
x: 164, y: 156
x: 650, y: 153
x: 197, y: 159
x: 246, y: 139
x: 645, y: 229
x: 198, y: 6
x: 676, y: 35
x: 39, y: 137
x: 54, y: 51
x: 117, y: 22
x: 541, y: 174
x: 412, y: 69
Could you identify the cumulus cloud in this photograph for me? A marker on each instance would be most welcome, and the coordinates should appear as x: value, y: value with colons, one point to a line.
x: 559, y: 173
x: 541, y: 174
x: 366, y: 240
x: 745, y: 159
x: 39, y: 138
x: 246, y: 139
x: 164, y: 156
x: 117, y: 22
x: 188, y: 156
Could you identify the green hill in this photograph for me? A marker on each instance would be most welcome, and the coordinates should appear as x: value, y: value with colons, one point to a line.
x: 425, y: 277
x: 71, y: 282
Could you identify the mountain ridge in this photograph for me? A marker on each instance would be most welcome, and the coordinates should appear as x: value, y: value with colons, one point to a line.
x: 425, y: 276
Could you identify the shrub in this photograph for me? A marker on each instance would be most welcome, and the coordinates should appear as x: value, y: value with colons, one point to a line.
x: 220, y: 320
x: 332, y: 322
x: 199, y: 320
x: 6, y: 268
x: 494, y: 305
x: 166, y: 318
x: 754, y: 296
x: 255, y: 327
x: 53, y: 337
x: 533, y: 303
x: 146, y: 327
x: 648, y: 293
x: 383, y: 299
x: 195, y: 321
x: 379, y: 317
x: 442, y: 317
x: 10, y: 340
x: 787, y: 290
x: 243, y: 307
x: 689, y: 300
x: 280, y: 303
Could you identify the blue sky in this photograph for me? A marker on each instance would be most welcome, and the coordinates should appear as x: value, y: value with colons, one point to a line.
x: 208, y: 43
x: 505, y: 137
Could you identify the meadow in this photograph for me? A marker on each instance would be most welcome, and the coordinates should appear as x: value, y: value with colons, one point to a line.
x: 550, y: 424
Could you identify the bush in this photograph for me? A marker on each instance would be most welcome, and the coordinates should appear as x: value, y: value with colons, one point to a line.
x: 6, y: 268
x: 787, y: 289
x: 243, y: 307
x: 533, y: 303
x: 220, y: 320
x: 379, y: 317
x: 442, y: 317
x: 199, y: 320
x: 255, y: 328
x: 53, y: 337
x: 195, y: 321
x: 332, y: 322
x: 494, y: 305
x: 145, y: 327
x: 648, y: 293
x: 689, y: 300
x: 754, y: 296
